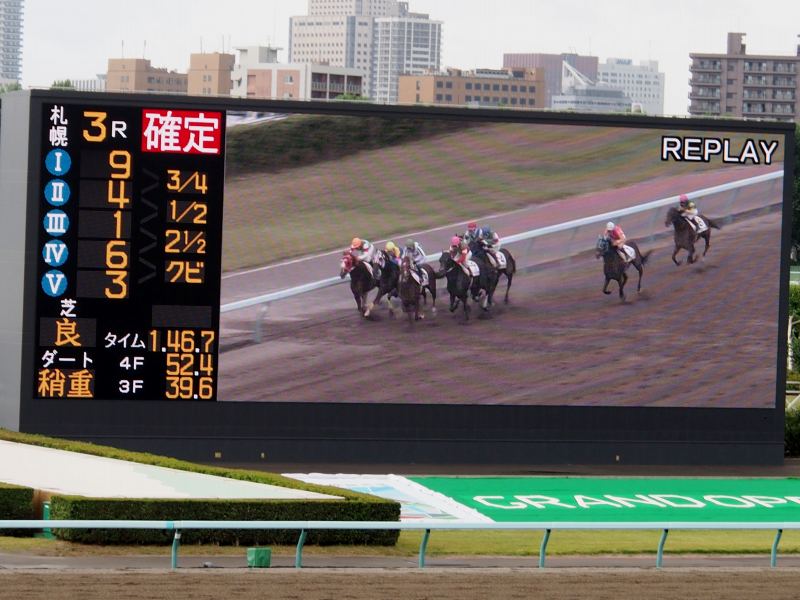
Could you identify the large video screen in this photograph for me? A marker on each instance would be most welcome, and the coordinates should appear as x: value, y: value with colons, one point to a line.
x: 638, y: 266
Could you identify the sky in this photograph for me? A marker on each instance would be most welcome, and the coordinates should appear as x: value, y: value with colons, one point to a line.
x: 73, y: 39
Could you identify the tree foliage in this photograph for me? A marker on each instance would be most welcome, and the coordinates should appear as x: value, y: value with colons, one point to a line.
x: 62, y: 84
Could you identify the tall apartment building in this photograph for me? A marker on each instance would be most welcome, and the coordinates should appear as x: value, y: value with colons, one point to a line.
x: 745, y: 85
x: 643, y: 83
x: 513, y: 88
x: 410, y: 44
x: 210, y: 74
x: 341, y: 33
x: 10, y: 41
x: 138, y: 75
x: 551, y: 64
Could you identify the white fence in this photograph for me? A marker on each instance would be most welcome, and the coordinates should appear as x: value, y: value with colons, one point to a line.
x: 574, y: 225
x: 303, y: 527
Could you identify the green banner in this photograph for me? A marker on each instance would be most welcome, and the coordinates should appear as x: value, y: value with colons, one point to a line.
x: 531, y: 499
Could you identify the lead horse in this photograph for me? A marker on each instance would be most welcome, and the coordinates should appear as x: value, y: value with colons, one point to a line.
x: 686, y: 235
x: 361, y: 281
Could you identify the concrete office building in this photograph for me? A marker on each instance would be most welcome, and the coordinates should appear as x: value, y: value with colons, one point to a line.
x: 551, y: 64
x: 138, y: 75
x: 738, y: 84
x: 643, y: 83
x: 513, y: 88
x: 250, y: 57
x: 580, y: 93
x: 302, y: 81
x: 10, y: 41
x: 210, y: 74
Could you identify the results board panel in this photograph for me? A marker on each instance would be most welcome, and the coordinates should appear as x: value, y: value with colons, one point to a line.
x: 130, y: 239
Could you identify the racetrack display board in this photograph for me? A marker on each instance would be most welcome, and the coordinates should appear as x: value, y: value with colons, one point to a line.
x: 144, y: 313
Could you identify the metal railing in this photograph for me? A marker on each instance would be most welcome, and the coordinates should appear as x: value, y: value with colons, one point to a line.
x: 303, y: 527
x: 264, y: 300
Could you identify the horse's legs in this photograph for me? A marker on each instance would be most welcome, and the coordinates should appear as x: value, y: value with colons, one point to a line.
x: 453, y: 300
x: 707, y: 238
x: 690, y: 259
x: 357, y: 297
x: 466, y: 308
x: 509, y: 277
x: 622, y: 281
x: 674, y: 254
x: 605, y: 287
x: 367, y: 306
x: 641, y: 272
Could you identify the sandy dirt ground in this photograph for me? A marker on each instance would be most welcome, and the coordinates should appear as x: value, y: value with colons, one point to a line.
x: 355, y: 584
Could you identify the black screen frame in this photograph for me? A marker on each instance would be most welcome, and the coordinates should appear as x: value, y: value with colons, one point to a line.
x: 290, y: 433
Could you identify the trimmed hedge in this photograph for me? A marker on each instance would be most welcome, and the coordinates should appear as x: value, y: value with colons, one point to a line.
x: 792, y: 433
x: 306, y: 139
x: 73, y: 507
x: 354, y: 506
x: 16, y: 503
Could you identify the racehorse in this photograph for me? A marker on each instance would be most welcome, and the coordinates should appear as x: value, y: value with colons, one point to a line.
x: 409, y: 290
x: 490, y: 275
x: 686, y: 236
x: 508, y: 270
x: 361, y: 281
x: 431, y: 285
x: 387, y: 285
x: 614, y: 266
x: 458, y: 282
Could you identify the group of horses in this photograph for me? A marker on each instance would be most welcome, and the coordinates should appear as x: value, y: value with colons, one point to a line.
x: 685, y: 238
x: 401, y: 281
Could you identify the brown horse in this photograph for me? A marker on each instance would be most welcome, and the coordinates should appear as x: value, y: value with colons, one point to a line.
x: 410, y: 291
x: 686, y: 236
x: 361, y: 281
x: 614, y: 266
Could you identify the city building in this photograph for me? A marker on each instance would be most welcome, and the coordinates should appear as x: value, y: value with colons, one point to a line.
x: 210, y: 74
x: 738, y: 84
x: 98, y: 84
x: 250, y: 57
x: 580, y: 93
x: 10, y: 41
x: 302, y: 81
x: 138, y: 75
x: 409, y: 44
x: 551, y: 64
x: 513, y: 88
x: 341, y: 33
x: 643, y: 83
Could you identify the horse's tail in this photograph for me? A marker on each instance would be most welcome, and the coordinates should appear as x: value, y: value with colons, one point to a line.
x: 645, y: 256
x: 713, y: 224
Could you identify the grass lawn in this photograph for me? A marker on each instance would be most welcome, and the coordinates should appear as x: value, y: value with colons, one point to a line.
x: 384, y: 192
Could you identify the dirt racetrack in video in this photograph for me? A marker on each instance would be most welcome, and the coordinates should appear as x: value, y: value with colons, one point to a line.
x: 456, y: 584
x: 697, y: 335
